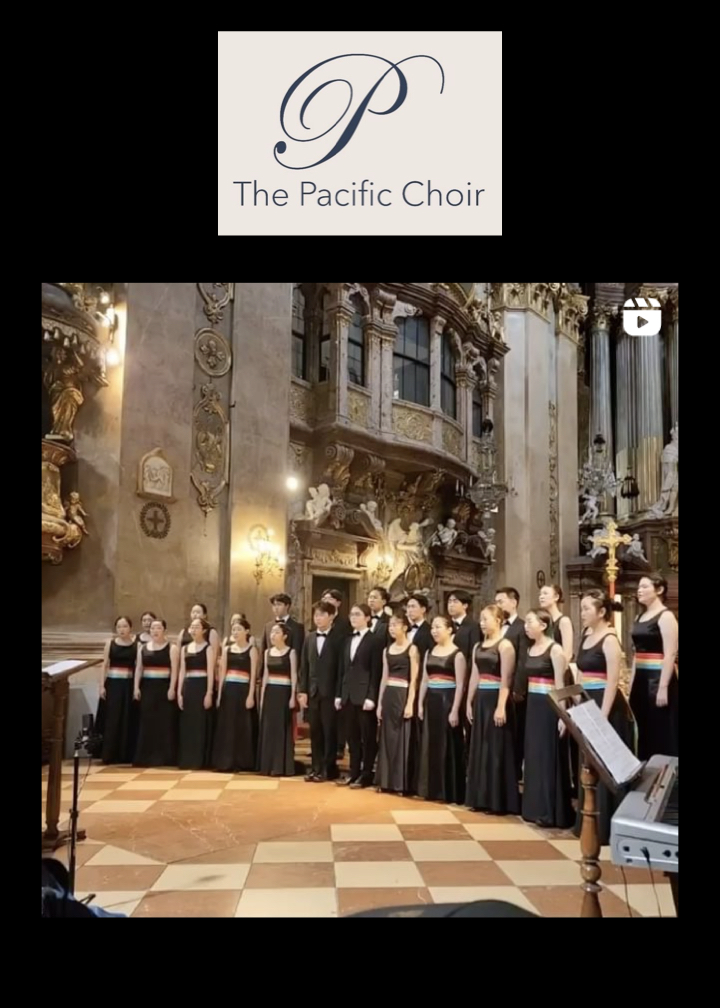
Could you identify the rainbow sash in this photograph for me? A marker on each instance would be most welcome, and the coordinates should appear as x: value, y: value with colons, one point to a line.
x: 538, y: 685
x: 279, y: 680
x: 488, y: 681
x: 119, y: 673
x: 593, y: 680
x: 649, y: 662
x: 156, y: 673
x: 441, y: 681
x: 238, y: 677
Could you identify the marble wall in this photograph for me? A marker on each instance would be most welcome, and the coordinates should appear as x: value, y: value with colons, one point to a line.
x: 149, y: 404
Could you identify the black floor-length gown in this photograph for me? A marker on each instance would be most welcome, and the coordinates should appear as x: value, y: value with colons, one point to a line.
x: 546, y: 782
x: 157, y: 736
x: 442, y: 764
x: 593, y: 667
x: 194, y: 747
x: 396, y: 731
x: 657, y: 727
x: 276, y: 749
x: 492, y: 776
x: 235, y: 741
x: 117, y: 715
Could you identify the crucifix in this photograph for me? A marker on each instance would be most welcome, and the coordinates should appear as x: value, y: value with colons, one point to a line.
x: 608, y: 537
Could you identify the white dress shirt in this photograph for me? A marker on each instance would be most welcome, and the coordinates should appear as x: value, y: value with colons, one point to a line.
x: 355, y: 643
x: 507, y: 623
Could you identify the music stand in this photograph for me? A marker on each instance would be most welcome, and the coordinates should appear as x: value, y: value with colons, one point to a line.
x: 592, y: 768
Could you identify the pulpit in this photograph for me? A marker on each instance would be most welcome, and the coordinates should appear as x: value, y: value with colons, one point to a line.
x: 56, y: 687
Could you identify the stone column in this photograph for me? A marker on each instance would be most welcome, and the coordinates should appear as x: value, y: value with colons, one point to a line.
x: 522, y: 429
x: 437, y: 324
x: 625, y: 430
x: 339, y: 314
x: 600, y: 381
x: 647, y: 393
x: 569, y: 317
x: 671, y: 353
x: 465, y: 380
x: 382, y: 308
x: 376, y: 380
x: 260, y: 425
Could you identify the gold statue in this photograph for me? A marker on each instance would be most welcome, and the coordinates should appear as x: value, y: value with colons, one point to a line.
x: 62, y: 380
x: 76, y: 514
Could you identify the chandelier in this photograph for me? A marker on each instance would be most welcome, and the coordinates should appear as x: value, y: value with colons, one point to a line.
x: 597, y: 478
x: 488, y: 492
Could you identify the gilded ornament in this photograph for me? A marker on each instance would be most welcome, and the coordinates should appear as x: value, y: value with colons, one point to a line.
x: 411, y: 423
x: 214, y: 304
x: 212, y: 352
x: 358, y: 408
x: 76, y: 513
x: 451, y: 439
x: 299, y: 404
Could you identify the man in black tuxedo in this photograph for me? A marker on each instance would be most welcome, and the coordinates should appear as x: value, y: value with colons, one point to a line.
x: 377, y: 599
x: 467, y: 631
x: 318, y: 685
x: 514, y: 630
x: 296, y: 631
x: 362, y: 672
x: 341, y: 624
x: 419, y: 634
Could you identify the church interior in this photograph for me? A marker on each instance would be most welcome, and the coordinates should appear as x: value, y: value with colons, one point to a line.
x: 306, y: 540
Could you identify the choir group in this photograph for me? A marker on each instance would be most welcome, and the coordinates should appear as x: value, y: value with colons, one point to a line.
x: 445, y: 708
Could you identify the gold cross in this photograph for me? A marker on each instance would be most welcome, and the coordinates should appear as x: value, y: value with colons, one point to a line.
x: 608, y: 536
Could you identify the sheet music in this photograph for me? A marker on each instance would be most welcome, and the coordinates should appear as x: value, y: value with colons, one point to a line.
x: 66, y: 666
x: 620, y: 761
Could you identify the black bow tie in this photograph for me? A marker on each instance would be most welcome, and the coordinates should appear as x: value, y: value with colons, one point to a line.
x: 416, y: 626
x: 321, y: 634
x: 456, y: 623
x: 506, y: 622
x: 356, y: 633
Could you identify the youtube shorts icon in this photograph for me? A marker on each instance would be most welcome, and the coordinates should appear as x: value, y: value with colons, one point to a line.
x: 642, y: 316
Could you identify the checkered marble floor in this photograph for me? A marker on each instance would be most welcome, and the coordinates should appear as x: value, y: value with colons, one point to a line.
x: 167, y: 843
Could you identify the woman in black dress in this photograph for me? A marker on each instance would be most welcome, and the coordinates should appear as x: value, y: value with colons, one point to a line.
x: 156, y: 674
x: 396, y: 702
x: 598, y: 662
x: 492, y: 777
x: 546, y: 789
x: 654, y: 690
x: 550, y: 598
x: 237, y: 617
x: 195, y: 698
x: 276, y: 751
x: 117, y: 711
x: 235, y: 742
x: 442, y: 761
x: 199, y: 612
x: 146, y: 621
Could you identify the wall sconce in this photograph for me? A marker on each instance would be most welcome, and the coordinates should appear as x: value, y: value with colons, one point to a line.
x: 267, y: 553
x: 384, y: 568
